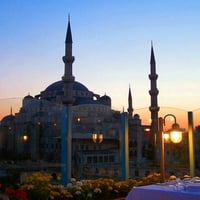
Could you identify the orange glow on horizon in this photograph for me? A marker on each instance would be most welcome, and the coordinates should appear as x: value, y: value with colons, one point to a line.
x: 181, y: 117
x: 15, y: 104
x: 9, y: 105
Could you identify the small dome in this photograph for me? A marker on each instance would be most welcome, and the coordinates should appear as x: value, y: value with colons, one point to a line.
x: 28, y: 97
x: 136, y: 116
x: 105, y: 97
x: 106, y: 100
x: 7, y: 119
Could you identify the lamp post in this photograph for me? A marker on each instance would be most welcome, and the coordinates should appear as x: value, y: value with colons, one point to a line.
x: 191, y: 143
x: 175, y: 137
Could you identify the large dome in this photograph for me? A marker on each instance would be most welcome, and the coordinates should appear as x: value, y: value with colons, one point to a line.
x: 81, y: 94
x: 58, y: 86
x: 54, y: 92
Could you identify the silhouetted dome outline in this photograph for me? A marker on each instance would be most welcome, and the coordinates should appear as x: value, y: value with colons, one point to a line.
x: 28, y: 97
x: 136, y: 116
x: 81, y: 94
x: 105, y: 97
x: 58, y: 86
x: 7, y: 118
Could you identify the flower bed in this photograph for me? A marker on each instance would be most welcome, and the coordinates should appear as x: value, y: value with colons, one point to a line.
x: 40, y: 186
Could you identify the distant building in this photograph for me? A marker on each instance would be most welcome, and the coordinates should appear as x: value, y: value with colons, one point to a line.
x: 34, y: 133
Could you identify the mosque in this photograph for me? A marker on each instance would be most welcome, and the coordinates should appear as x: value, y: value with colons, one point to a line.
x: 34, y: 133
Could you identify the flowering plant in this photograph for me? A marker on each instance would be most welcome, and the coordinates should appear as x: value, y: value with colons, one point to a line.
x: 38, y: 186
x: 150, y: 179
x: 12, y: 194
x: 103, y: 188
x: 16, y: 194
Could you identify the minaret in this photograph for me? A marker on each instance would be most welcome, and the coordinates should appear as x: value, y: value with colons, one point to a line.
x: 154, y: 94
x: 66, y: 117
x: 11, y: 113
x: 68, y: 77
x: 130, y: 105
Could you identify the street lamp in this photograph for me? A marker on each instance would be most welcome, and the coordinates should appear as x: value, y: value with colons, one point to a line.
x: 25, y: 138
x: 175, y: 135
x: 97, y: 137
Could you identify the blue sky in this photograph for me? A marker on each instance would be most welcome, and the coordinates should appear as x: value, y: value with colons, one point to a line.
x: 111, y: 45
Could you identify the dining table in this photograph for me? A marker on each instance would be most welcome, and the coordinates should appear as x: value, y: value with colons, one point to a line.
x: 176, y: 190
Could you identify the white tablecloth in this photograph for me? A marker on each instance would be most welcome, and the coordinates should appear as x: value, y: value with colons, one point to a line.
x: 165, y: 192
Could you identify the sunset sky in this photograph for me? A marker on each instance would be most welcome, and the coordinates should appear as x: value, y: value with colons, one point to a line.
x: 111, y: 45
